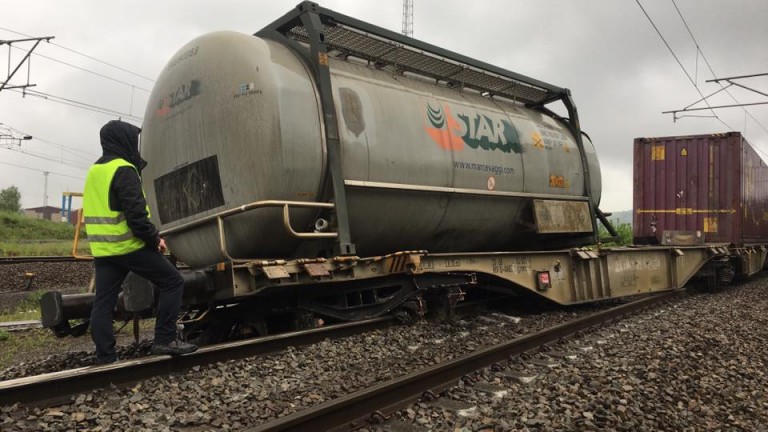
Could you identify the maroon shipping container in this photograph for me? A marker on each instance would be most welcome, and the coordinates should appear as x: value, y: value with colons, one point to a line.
x: 697, y: 189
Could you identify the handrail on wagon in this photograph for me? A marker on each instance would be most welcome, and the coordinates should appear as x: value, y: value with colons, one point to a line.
x: 286, y: 205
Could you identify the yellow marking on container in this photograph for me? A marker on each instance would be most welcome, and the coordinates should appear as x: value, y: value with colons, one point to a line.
x: 710, y: 224
x: 687, y: 211
x: 538, y: 142
x: 711, y: 172
x: 684, y: 152
x: 322, y: 58
x: 658, y: 152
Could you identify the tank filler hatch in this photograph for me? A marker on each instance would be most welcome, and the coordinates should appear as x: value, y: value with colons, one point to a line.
x: 393, y: 52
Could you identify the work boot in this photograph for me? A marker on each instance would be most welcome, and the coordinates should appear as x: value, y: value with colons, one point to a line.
x: 174, y: 348
x: 105, y: 360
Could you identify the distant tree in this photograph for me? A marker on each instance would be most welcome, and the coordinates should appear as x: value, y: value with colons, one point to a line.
x: 10, y: 199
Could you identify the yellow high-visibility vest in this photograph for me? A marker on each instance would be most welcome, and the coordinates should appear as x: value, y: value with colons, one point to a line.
x: 108, y: 232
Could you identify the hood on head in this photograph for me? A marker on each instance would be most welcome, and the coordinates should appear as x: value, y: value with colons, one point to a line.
x: 121, y: 139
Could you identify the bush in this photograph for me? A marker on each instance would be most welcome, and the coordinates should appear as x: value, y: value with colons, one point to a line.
x: 623, y: 229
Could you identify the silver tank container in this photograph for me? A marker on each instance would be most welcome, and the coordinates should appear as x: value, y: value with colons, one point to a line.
x: 234, y: 119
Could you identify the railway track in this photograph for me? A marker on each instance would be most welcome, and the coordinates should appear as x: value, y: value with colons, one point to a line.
x: 346, y: 413
x: 13, y: 326
x: 380, y: 401
x: 33, y: 259
x: 57, y: 387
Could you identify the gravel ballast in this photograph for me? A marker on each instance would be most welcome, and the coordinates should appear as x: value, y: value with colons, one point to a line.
x: 692, y: 364
x: 236, y: 394
x: 68, y: 277
x: 47, y: 275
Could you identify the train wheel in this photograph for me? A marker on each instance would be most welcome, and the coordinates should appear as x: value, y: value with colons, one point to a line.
x: 725, y: 274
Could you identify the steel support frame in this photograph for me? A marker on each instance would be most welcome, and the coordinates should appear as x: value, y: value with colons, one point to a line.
x: 575, y: 127
x: 573, y: 124
x: 312, y: 17
x: 316, y: 58
x: 329, y: 17
x: 37, y: 40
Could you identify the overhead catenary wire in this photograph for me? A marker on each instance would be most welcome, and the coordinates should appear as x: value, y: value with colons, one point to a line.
x: 79, y: 162
x: 86, y: 70
x: 690, y: 78
x: 86, y: 56
x: 41, y: 170
x: 83, y: 154
x: 709, y: 66
x: 65, y: 162
x: 79, y: 104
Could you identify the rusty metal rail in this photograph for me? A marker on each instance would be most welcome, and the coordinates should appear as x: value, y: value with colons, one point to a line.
x: 352, y: 411
x: 58, y: 387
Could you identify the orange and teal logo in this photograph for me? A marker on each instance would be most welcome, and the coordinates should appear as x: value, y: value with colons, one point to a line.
x: 471, y: 128
x: 182, y: 94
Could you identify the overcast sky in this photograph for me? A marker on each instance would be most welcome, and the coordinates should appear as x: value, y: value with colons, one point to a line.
x: 606, y: 51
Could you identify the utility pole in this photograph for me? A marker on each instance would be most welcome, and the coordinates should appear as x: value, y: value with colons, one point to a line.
x: 45, y: 189
x: 408, y: 18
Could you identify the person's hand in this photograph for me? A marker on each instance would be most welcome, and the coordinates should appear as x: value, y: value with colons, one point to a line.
x: 161, y: 247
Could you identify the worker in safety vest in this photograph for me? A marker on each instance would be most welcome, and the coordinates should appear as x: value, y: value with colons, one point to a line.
x: 123, y: 239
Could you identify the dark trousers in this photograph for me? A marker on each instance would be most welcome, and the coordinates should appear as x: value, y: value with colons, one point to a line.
x: 110, y: 273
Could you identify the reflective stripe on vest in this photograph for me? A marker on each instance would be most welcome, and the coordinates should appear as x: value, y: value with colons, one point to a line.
x: 104, y: 220
x: 108, y: 231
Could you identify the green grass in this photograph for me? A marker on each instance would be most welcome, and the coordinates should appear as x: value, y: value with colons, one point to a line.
x: 24, y: 344
x: 42, y: 248
x: 18, y: 343
x: 23, y: 236
x: 19, y: 227
x: 21, y: 315
x: 14, y: 344
x: 28, y: 309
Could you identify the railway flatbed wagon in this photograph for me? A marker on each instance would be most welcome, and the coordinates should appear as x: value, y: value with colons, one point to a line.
x: 245, y: 293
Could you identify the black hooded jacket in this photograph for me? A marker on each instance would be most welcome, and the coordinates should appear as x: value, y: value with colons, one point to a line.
x: 121, y: 140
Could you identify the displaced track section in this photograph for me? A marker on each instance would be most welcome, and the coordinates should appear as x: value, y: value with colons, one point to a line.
x: 352, y: 411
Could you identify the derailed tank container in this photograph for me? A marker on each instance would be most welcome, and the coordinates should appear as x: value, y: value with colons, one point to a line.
x: 699, y: 189
x: 235, y: 119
